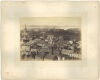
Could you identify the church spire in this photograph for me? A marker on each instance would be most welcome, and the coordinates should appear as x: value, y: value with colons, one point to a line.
x: 25, y: 28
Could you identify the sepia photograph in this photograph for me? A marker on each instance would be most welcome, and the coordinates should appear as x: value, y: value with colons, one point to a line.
x: 53, y: 39
x: 49, y: 40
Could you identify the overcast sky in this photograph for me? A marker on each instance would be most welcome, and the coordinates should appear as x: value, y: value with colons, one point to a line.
x: 51, y: 22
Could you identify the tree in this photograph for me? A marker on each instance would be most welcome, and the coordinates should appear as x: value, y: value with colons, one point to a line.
x: 51, y: 42
x: 60, y: 44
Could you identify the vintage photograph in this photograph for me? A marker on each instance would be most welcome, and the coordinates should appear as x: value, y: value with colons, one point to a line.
x: 50, y: 39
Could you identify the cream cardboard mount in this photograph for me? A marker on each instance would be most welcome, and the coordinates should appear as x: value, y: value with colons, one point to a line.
x: 49, y: 40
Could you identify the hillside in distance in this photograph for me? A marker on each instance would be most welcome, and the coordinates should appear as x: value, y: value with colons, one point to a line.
x: 68, y: 34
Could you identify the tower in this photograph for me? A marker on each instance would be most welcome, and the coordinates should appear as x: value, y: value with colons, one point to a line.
x: 25, y: 32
